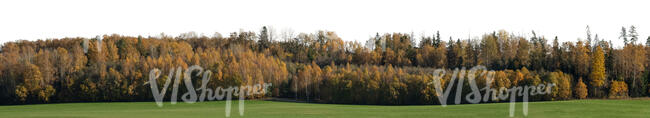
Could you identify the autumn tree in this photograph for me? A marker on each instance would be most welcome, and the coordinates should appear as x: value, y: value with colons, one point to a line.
x: 551, y: 78
x: 618, y: 89
x: 628, y: 64
x: 580, y: 90
x: 581, y: 60
x: 63, y: 71
x: 489, y: 54
x: 32, y: 85
x: 501, y: 81
x: 522, y: 58
x: 562, y: 88
x: 598, y: 75
x: 363, y: 55
x: 432, y: 55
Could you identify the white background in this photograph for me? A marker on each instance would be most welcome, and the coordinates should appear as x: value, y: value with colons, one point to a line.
x: 352, y: 20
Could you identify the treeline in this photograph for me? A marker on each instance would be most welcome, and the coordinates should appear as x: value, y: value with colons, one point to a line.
x: 320, y: 67
x: 388, y: 85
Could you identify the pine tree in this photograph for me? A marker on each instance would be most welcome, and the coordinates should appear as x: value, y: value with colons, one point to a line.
x: 556, y: 55
x: 264, y: 39
x: 589, y: 40
x: 634, y: 36
x: 623, y: 35
x: 647, y: 42
x: 437, y: 41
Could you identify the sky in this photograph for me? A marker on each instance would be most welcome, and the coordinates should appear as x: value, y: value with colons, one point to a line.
x: 351, y: 20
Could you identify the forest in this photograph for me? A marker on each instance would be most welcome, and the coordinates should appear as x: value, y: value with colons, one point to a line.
x: 387, y: 69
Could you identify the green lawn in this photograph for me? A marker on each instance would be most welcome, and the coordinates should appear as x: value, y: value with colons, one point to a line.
x: 568, y: 109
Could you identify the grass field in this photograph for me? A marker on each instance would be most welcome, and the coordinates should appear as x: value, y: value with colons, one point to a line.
x: 272, y: 109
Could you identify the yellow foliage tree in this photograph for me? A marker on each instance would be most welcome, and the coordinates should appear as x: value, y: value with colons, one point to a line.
x: 618, y: 89
x: 597, y: 76
x: 580, y: 90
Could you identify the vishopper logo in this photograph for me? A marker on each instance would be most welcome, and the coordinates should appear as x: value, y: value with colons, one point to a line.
x: 489, y: 93
x: 191, y: 96
x: 98, y: 45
